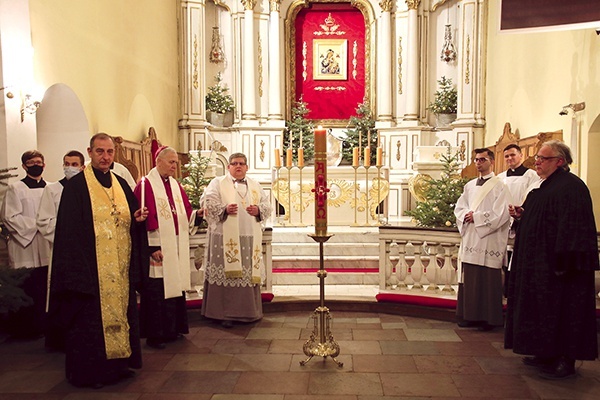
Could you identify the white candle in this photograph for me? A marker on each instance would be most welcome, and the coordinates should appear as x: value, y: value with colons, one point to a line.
x: 143, y: 187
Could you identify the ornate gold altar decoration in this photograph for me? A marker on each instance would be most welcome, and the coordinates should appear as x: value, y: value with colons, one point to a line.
x: 417, y: 185
x: 329, y: 28
x: 341, y: 192
x: 195, y: 63
x: 354, y: 61
x: 217, y: 55
x: 260, y: 67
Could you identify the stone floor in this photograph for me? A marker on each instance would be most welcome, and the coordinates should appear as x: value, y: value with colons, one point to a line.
x: 385, y: 356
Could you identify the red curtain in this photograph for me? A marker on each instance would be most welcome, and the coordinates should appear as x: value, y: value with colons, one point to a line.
x: 335, y: 31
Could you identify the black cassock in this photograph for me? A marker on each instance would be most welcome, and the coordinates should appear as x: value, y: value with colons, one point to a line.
x: 551, y: 302
x: 75, y: 309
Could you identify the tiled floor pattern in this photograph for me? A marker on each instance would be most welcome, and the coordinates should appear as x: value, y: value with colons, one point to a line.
x: 385, y: 357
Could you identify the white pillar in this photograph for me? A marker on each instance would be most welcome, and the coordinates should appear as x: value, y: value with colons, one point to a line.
x: 412, y: 70
x: 274, y: 64
x: 17, y: 127
x: 192, y: 79
x: 248, y: 64
x: 384, y: 63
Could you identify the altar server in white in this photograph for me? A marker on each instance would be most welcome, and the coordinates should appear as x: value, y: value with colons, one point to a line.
x: 27, y: 247
x: 73, y: 163
x: 519, y: 180
x: 483, y: 222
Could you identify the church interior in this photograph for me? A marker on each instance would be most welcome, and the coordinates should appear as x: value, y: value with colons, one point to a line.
x: 143, y: 72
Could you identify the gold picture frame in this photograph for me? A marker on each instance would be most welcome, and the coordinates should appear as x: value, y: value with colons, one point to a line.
x: 330, y: 61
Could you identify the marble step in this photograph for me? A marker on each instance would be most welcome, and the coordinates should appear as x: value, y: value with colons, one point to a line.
x: 311, y: 250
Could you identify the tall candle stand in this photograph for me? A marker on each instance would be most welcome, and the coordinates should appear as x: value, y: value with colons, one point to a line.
x: 321, y: 342
x: 367, y: 194
x: 355, y: 195
x: 277, y: 179
x: 380, y: 220
x: 301, y: 168
x: 289, y: 210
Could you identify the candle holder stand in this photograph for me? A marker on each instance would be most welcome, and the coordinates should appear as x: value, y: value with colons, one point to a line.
x: 355, y: 195
x: 367, y: 195
x: 301, y: 168
x: 380, y: 220
x: 321, y: 342
x: 289, y: 209
x: 277, y: 213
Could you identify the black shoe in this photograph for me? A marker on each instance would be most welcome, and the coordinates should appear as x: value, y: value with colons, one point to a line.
x: 156, y: 344
x: 486, y: 327
x: 563, y: 369
x: 226, y: 324
x: 538, y: 362
x: 468, y: 324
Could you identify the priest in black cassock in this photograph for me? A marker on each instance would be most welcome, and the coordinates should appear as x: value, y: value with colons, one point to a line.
x: 551, y: 314
x: 99, y: 249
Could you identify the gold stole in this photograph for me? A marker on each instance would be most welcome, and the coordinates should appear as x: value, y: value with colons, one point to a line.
x: 112, y: 221
x: 231, y: 232
x: 175, y: 248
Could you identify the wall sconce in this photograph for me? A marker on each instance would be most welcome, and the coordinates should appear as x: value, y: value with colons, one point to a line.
x: 575, y: 107
x: 28, y: 103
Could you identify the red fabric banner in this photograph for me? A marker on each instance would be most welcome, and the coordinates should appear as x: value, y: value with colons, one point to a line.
x: 330, y: 60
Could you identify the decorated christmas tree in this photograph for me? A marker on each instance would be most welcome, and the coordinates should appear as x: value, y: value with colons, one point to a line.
x: 360, y: 124
x: 299, y: 124
x: 441, y: 195
x: 194, y: 180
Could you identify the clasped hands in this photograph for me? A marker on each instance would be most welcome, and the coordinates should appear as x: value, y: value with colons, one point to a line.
x: 232, y: 209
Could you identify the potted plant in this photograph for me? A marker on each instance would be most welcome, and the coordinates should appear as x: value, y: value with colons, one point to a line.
x: 219, y: 104
x: 444, y: 103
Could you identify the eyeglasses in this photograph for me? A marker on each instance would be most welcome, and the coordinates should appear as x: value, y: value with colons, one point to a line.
x: 235, y: 164
x: 479, y: 159
x: 543, y: 158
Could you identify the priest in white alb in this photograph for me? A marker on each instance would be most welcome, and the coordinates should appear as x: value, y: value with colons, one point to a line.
x: 163, y: 314
x: 236, y: 208
x: 483, y: 221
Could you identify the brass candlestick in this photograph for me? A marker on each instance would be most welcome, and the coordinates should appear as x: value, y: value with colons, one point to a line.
x: 355, y: 195
x: 321, y: 342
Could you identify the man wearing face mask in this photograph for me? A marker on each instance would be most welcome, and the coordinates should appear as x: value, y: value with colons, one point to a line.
x: 73, y: 163
x: 27, y: 247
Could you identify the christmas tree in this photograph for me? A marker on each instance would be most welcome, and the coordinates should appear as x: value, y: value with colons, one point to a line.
x: 194, y: 181
x: 217, y: 99
x: 297, y: 125
x: 361, y: 124
x: 441, y: 195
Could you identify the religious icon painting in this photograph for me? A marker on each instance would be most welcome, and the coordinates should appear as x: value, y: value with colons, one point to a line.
x: 330, y: 60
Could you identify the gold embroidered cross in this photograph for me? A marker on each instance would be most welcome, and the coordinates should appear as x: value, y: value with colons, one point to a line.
x: 231, y: 244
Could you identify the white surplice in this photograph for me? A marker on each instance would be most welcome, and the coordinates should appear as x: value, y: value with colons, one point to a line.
x: 27, y: 247
x: 484, y: 240
x: 46, y: 216
x: 520, y: 185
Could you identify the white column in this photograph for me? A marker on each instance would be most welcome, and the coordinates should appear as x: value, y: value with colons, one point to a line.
x: 384, y: 63
x: 192, y: 77
x: 274, y: 64
x: 248, y: 64
x: 412, y: 70
x: 17, y: 133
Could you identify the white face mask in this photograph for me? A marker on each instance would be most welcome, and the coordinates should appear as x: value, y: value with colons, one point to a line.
x: 71, y: 171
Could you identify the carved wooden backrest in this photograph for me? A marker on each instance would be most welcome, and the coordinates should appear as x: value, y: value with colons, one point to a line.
x: 139, y: 157
x: 529, y: 147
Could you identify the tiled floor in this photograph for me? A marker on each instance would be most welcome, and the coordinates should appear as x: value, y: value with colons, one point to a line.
x: 385, y: 357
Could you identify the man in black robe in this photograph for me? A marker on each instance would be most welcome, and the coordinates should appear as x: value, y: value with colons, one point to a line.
x: 97, y: 261
x: 551, y: 310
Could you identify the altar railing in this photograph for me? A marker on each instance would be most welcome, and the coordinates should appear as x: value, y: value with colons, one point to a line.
x: 422, y: 259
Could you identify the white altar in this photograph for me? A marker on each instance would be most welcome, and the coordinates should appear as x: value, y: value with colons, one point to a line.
x: 353, y: 198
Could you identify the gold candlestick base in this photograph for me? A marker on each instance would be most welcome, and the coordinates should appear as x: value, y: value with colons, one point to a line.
x: 321, y: 341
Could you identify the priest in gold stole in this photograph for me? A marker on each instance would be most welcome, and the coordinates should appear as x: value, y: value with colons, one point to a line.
x: 99, y: 249
x: 236, y: 207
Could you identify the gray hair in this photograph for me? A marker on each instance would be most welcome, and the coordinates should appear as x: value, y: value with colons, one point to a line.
x: 163, y: 152
x: 561, y: 150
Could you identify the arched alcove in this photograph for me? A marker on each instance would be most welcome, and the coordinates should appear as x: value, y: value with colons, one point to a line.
x: 61, y: 126
x: 593, y: 179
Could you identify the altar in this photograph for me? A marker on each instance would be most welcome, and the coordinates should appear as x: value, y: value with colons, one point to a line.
x: 357, y: 195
